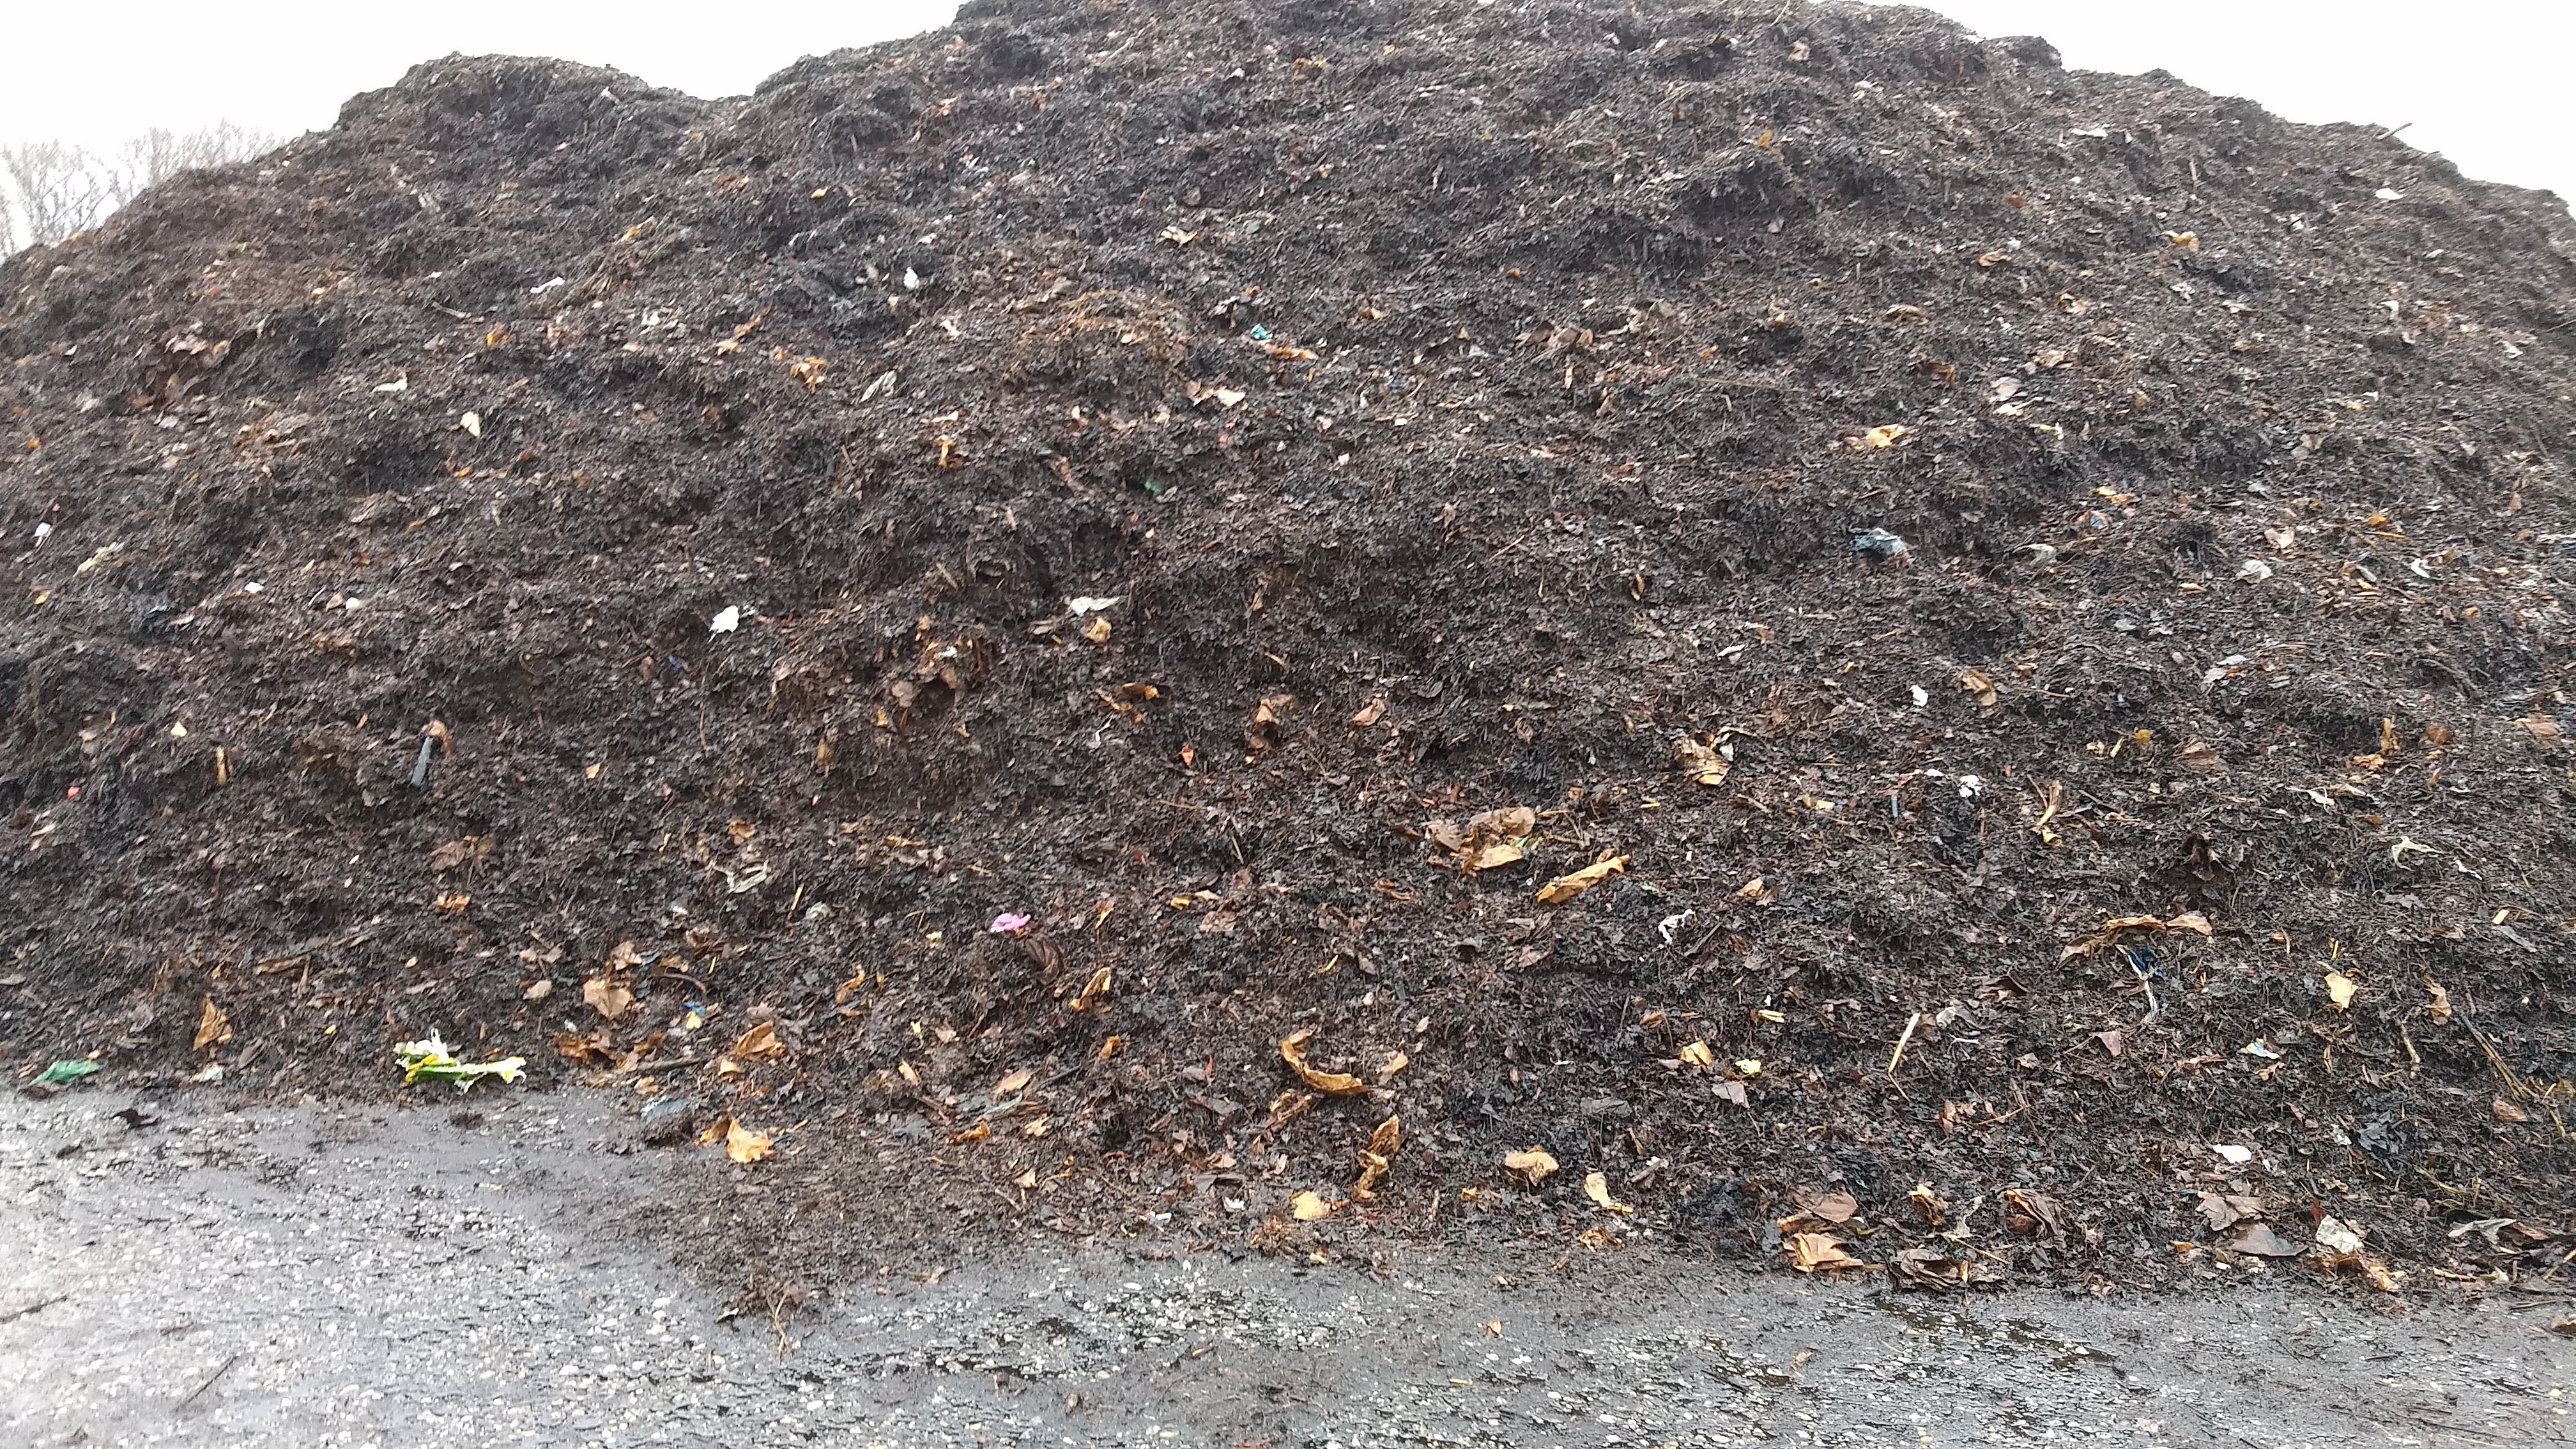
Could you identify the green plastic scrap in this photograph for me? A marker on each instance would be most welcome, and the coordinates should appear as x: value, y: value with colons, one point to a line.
x: 64, y: 1073
x: 429, y: 1059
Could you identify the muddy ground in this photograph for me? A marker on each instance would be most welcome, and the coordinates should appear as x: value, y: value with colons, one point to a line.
x: 1901, y: 660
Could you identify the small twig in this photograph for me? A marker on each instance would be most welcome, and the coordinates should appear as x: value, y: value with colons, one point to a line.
x: 39, y: 1306
x: 1911, y: 1022
x: 223, y: 1369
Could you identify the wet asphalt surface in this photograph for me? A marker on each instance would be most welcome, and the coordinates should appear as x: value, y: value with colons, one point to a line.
x: 338, y: 1275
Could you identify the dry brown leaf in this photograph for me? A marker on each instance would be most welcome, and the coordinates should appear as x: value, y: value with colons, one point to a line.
x: 1534, y: 1166
x: 1695, y: 1053
x: 2226, y: 1210
x: 1378, y: 1156
x: 452, y: 903
x: 1262, y: 735
x: 1016, y: 1082
x: 1819, y: 1211
x: 1094, y: 990
x: 1369, y: 714
x: 2509, y: 1111
x: 1833, y: 1207
x: 1395, y: 1062
x: 608, y: 996
x: 1596, y: 1186
x: 2544, y: 730
x: 1979, y: 686
x: 1027, y: 1181
x: 2439, y: 1007
x: 759, y: 1042
x: 1700, y: 762
x: 1930, y: 1268
x: 744, y: 1145
x: 2192, y: 921
x: 595, y: 1049
x: 1292, y: 1050
x: 2260, y: 1241
x: 2341, y: 989
x: 1306, y: 1207
x: 1929, y: 1206
x: 213, y: 1028
x: 1811, y: 1251
x: 1566, y: 887
x: 1493, y: 857
x: 2032, y: 1212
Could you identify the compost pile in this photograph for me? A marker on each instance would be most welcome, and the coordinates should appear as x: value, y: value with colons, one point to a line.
x: 1848, y: 645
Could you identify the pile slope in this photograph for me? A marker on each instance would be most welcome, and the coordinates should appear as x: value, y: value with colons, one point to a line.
x: 1263, y: 489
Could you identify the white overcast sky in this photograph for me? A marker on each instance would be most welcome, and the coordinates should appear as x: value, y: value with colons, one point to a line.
x: 2482, y: 81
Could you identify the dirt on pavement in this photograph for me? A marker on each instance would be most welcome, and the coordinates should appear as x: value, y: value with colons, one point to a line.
x: 353, y: 1274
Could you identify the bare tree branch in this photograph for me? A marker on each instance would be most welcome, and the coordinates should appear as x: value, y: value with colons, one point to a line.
x: 53, y: 189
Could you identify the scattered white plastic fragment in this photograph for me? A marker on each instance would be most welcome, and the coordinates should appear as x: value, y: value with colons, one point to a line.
x: 2231, y: 1154
x: 1091, y: 604
x: 727, y: 619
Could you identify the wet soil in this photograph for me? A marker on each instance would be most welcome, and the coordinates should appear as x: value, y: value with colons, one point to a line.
x: 2050, y: 588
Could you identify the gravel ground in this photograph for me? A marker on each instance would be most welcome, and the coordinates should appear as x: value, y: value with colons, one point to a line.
x: 336, y: 1275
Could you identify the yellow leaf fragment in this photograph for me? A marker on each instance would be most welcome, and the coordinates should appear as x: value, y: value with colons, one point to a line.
x: 213, y: 1027
x: 1566, y: 887
x: 1306, y: 1207
x: 607, y: 995
x: 1093, y: 991
x: 744, y: 1145
x: 2341, y: 989
x: 1596, y: 1186
x: 1378, y: 1156
x: 1809, y: 1252
x: 1292, y: 1050
x: 1534, y: 1166
x: 1699, y: 762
